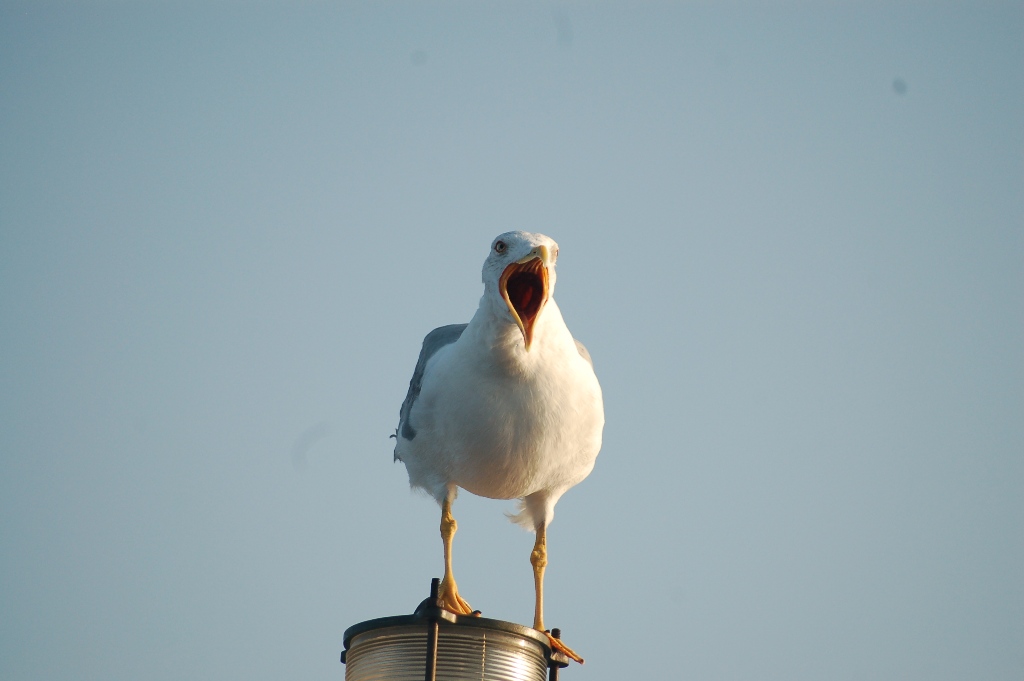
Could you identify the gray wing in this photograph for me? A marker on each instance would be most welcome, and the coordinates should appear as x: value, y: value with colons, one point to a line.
x: 583, y: 353
x: 435, y: 340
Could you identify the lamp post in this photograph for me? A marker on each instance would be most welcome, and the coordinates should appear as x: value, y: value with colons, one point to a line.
x: 436, y: 645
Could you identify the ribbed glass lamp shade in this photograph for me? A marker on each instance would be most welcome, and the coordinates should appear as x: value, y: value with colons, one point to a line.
x: 399, y: 653
x: 436, y: 645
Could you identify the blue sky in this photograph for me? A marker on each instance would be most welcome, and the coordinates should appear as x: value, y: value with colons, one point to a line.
x: 791, y: 237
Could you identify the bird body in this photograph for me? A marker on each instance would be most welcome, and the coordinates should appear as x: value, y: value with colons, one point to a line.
x: 502, y: 422
x: 506, y: 406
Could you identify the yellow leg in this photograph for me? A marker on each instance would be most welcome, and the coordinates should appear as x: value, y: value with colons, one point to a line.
x: 539, y: 560
x: 448, y: 593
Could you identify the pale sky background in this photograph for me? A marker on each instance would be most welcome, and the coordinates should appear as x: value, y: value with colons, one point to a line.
x: 791, y: 236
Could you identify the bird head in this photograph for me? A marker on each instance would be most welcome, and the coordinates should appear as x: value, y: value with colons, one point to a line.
x: 520, y: 272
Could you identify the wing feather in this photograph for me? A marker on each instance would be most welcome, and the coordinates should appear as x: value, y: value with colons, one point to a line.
x: 582, y: 349
x: 434, y: 341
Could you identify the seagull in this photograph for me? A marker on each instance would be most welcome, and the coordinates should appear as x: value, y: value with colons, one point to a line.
x: 505, y: 407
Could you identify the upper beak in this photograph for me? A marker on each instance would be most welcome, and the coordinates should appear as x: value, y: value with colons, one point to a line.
x: 525, y: 288
x: 542, y: 252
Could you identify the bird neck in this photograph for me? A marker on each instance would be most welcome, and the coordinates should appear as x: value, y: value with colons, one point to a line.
x: 498, y: 341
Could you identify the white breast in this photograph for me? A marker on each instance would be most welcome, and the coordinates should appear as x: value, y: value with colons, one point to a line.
x: 504, y: 425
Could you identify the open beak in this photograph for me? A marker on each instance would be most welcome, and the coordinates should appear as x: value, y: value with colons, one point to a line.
x: 524, y: 286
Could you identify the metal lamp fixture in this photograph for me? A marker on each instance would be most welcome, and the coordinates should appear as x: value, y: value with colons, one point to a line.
x: 436, y: 645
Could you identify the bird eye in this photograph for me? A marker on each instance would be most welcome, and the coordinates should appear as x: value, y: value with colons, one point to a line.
x: 499, y: 247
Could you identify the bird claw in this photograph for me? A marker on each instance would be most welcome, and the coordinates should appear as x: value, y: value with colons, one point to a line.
x: 557, y: 645
x: 448, y: 598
